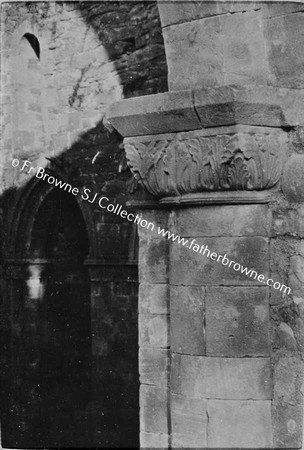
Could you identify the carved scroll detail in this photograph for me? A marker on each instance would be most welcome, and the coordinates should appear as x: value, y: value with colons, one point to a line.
x: 188, y: 164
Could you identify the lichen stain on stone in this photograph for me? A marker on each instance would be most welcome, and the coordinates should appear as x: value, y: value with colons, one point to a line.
x: 260, y: 312
x: 291, y: 426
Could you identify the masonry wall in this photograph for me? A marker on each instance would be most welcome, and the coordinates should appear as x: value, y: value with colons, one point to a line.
x: 241, y: 43
x: 54, y: 99
x: 233, y: 374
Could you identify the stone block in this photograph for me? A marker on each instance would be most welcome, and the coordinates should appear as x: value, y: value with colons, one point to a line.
x: 154, y: 114
x: 286, y: 221
x: 153, y: 330
x: 244, y: 51
x: 287, y: 426
x: 154, y: 440
x: 188, y: 267
x: 200, y: 43
x: 296, y: 277
x: 158, y: 218
x: 153, y: 409
x: 237, y: 321
x: 221, y: 378
x: 239, y: 424
x: 153, y: 366
x: 189, y: 422
x: 223, y: 220
x: 292, y: 181
x: 285, y: 41
x: 249, y: 105
x: 153, y: 298
x: 187, y: 319
x: 153, y: 261
x: 287, y: 380
x: 284, y: 268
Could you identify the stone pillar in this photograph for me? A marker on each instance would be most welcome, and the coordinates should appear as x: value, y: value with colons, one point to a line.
x: 220, y: 351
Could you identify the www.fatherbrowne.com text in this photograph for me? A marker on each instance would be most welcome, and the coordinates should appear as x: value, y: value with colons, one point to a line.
x: 104, y: 203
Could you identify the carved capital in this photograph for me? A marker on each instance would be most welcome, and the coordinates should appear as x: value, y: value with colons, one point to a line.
x: 234, y: 158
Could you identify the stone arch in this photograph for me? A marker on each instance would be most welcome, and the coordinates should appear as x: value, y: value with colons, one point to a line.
x: 27, y: 202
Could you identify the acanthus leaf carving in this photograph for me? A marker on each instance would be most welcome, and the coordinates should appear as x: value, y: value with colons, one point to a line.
x: 188, y: 162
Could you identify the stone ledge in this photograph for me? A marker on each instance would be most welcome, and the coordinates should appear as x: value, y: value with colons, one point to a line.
x: 249, y: 105
x: 154, y: 114
x: 218, y: 198
x: 217, y: 106
x: 206, y: 198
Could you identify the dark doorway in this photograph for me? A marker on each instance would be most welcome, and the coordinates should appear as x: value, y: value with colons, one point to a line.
x: 73, y: 360
x: 50, y: 367
x: 64, y: 330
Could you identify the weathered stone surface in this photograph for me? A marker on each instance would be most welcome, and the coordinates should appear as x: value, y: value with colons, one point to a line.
x: 200, y: 44
x: 285, y: 337
x: 288, y: 221
x: 153, y: 440
x: 239, y: 424
x: 292, y: 182
x: 159, y: 218
x: 285, y: 267
x: 221, y: 378
x: 188, y: 11
x: 153, y: 409
x: 192, y: 10
x: 288, y: 380
x: 222, y: 49
x: 161, y: 113
x: 153, y: 298
x: 153, y: 365
x: 284, y: 42
x: 189, y: 422
x: 237, y: 321
x: 287, y: 420
x: 236, y: 48
x: 191, y: 268
x: 187, y: 319
x: 153, y: 330
x: 296, y: 278
x: 273, y: 9
x: 245, y: 55
x: 224, y: 220
x: 153, y: 261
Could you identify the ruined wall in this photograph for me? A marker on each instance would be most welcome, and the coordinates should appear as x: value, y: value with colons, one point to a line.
x: 221, y: 357
x: 54, y: 99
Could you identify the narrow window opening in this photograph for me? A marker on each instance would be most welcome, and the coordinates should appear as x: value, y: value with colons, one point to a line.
x: 34, y: 43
